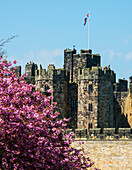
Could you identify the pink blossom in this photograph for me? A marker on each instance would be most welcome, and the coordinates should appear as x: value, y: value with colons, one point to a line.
x: 14, y: 68
x: 14, y: 62
x: 50, y: 91
x: 30, y: 132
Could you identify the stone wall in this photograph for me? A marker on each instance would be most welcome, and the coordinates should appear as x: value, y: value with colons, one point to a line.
x: 95, y: 97
x: 72, y: 104
x: 68, y: 62
x: 76, y: 65
x: 30, y: 72
x: 44, y: 79
x: 108, y: 155
x: 87, y: 117
x: 123, y: 108
x: 60, y: 87
x: 128, y: 110
x: 105, y: 104
x: 108, y: 148
x: 103, y: 134
x: 57, y: 80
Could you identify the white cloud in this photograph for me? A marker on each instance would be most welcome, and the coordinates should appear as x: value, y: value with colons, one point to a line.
x: 128, y: 56
x: 109, y: 53
x: 119, y: 54
x: 128, y: 39
x: 45, y: 57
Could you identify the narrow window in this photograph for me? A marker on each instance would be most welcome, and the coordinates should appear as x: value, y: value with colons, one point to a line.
x: 90, y: 125
x: 91, y: 88
x: 74, y: 103
x: 90, y: 107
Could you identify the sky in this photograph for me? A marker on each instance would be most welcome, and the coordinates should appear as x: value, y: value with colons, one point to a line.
x: 46, y: 27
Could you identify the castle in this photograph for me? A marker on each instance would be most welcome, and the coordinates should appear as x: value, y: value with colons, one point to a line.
x: 84, y: 92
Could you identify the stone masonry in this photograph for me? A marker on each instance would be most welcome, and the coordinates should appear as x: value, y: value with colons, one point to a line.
x: 108, y: 155
x: 84, y: 92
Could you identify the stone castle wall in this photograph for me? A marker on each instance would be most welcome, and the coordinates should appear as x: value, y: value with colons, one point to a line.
x: 68, y: 62
x: 60, y: 87
x: 108, y: 155
x: 95, y: 100
x: 123, y: 105
x: 72, y: 104
x: 108, y: 148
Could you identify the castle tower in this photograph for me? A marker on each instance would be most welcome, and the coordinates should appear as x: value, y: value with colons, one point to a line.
x: 68, y: 61
x: 60, y: 87
x: 57, y: 80
x: 73, y: 61
x: 30, y: 72
x: 95, y: 97
x: 44, y: 79
x: 88, y: 59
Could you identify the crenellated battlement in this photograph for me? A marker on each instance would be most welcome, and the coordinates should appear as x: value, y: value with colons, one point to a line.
x: 96, y: 72
x: 43, y: 74
x: 103, y: 134
x: 51, y: 73
x: 121, y: 86
x: 61, y: 74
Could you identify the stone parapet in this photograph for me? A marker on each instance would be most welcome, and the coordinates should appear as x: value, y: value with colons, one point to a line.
x: 104, y: 134
x: 51, y: 73
x: 96, y: 72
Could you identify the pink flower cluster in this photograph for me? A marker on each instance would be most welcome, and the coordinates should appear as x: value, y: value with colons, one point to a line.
x: 31, y: 134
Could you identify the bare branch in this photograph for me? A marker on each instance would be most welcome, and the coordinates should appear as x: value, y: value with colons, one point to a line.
x: 7, y: 40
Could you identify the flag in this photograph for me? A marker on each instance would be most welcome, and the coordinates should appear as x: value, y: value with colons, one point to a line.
x: 85, y: 20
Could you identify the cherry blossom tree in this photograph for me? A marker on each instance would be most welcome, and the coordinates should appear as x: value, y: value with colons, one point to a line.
x: 31, y: 134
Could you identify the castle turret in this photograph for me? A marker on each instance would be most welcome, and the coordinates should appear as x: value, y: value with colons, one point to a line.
x: 30, y: 72
x: 57, y: 80
x: 68, y: 61
x: 89, y: 59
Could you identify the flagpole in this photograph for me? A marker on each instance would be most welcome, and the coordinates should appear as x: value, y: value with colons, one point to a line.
x: 89, y: 31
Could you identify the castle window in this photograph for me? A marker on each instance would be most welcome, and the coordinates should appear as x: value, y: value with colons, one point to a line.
x: 74, y: 103
x: 90, y: 107
x: 91, y: 88
x: 90, y: 125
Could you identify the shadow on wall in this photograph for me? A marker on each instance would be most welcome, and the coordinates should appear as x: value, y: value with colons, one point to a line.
x: 120, y: 120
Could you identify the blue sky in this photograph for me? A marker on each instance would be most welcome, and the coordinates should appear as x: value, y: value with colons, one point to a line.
x: 46, y: 28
